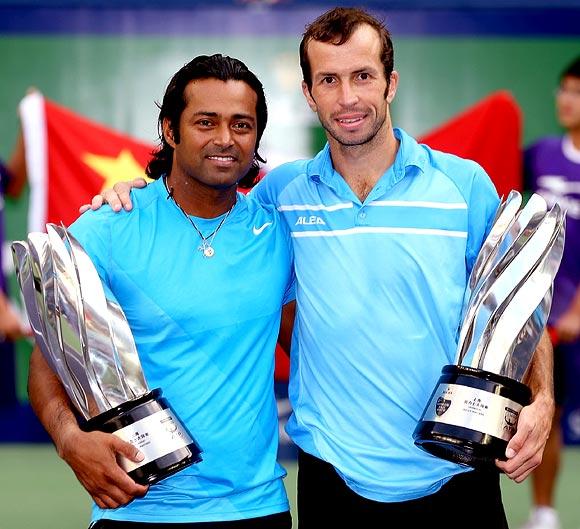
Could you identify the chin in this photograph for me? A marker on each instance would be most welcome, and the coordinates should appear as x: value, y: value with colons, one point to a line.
x: 224, y: 185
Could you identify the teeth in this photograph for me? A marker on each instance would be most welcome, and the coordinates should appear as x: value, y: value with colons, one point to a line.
x: 353, y: 120
x: 222, y: 158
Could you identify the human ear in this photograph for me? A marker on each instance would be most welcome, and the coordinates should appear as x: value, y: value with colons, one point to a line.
x: 393, y: 83
x: 308, y: 96
x: 168, y: 132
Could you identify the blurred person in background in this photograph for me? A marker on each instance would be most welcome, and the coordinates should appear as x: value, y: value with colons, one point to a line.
x: 552, y: 169
x: 12, y: 327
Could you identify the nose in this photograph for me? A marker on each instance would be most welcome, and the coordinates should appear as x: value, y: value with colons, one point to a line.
x: 348, y: 95
x: 223, y: 136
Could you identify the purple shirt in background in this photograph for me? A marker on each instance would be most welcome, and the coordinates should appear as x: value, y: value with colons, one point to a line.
x: 552, y: 169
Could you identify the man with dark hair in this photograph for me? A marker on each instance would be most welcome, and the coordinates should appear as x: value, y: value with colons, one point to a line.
x: 552, y: 169
x: 187, y: 267
x: 385, y: 233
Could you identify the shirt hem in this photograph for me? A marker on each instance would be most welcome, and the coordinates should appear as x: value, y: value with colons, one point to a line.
x: 208, y: 517
x: 407, y: 496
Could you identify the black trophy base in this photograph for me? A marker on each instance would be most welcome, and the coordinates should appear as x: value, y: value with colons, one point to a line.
x: 131, y: 412
x: 461, y: 444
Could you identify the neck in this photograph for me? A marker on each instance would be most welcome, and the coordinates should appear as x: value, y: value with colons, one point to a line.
x: 575, y: 137
x: 200, y: 200
x: 362, y: 166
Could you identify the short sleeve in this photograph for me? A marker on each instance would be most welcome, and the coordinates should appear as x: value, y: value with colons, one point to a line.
x: 263, y: 191
x: 267, y: 191
x: 482, y: 207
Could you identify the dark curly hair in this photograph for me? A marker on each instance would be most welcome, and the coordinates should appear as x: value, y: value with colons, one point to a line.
x: 205, y: 67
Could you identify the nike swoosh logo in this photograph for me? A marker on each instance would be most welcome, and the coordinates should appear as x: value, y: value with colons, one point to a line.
x: 259, y: 230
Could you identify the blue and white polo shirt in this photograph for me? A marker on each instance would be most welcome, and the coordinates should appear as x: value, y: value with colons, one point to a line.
x: 380, y: 287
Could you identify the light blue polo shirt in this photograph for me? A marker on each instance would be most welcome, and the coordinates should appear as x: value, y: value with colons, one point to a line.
x: 379, y: 290
x: 205, y: 330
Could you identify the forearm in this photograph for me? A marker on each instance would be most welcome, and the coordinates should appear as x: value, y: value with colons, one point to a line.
x: 541, y: 371
x: 49, y: 400
x: 92, y: 456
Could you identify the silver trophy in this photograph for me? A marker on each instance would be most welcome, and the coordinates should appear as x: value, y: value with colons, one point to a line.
x: 473, y: 411
x: 87, y: 342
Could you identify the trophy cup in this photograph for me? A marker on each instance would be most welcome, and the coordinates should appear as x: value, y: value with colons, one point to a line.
x: 87, y: 342
x: 473, y: 411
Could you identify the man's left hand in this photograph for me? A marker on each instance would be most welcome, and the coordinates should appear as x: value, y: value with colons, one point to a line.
x: 525, y: 449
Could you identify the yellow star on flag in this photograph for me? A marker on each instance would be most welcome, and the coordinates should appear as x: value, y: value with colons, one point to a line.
x: 113, y: 170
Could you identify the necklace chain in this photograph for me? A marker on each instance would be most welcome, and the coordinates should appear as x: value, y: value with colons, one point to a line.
x: 206, y: 246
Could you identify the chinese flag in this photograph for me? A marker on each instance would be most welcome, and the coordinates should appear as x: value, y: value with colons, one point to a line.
x: 70, y: 159
x: 489, y: 132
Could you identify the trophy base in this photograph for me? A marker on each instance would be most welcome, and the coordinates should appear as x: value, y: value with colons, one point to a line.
x: 149, y: 423
x: 471, y: 416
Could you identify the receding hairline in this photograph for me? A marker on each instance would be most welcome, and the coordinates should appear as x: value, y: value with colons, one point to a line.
x: 339, y: 40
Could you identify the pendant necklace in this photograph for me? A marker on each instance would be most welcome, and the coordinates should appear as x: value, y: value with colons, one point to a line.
x: 206, y: 246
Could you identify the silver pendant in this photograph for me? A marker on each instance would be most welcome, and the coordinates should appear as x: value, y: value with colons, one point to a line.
x: 208, y: 251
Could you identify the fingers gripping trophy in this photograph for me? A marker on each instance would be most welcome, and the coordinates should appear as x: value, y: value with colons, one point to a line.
x: 473, y: 411
x: 87, y: 342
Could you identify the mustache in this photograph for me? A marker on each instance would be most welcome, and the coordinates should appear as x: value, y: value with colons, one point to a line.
x: 353, y: 110
x: 227, y: 151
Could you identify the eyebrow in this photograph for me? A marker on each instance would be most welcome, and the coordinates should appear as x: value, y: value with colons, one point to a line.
x: 208, y: 114
x: 359, y: 70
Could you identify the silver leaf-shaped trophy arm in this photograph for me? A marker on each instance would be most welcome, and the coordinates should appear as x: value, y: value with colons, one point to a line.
x: 504, y: 218
x: 501, y: 285
x: 530, y: 296
x: 517, y: 362
x: 126, y: 351
x: 45, y: 305
x: 23, y: 268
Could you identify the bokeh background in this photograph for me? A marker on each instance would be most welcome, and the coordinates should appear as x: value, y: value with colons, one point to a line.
x: 110, y: 60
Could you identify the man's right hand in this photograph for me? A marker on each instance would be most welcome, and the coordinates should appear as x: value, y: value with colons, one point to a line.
x: 93, y: 458
x: 118, y: 197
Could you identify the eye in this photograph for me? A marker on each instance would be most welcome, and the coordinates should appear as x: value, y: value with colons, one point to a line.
x: 243, y: 125
x: 364, y: 76
x: 328, y: 79
x: 204, y: 122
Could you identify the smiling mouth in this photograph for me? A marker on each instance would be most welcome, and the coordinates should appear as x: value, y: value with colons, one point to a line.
x: 350, y: 121
x: 222, y: 158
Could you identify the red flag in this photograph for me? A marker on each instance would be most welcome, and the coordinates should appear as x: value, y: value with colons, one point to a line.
x: 489, y: 132
x: 70, y: 159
